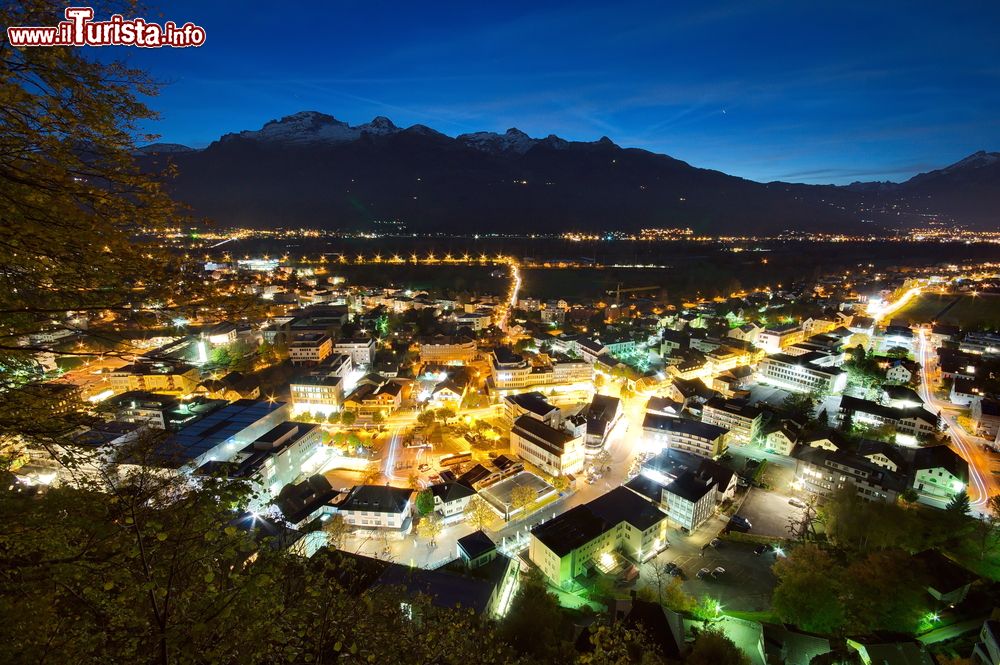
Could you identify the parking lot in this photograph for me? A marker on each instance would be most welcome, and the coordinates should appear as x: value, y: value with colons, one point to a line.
x: 769, y: 512
x: 747, y: 583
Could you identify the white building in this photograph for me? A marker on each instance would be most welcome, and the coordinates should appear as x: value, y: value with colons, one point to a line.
x: 592, y: 534
x: 378, y: 507
x: 690, y: 436
x: 310, y: 348
x: 775, y: 338
x: 475, y: 321
x: 939, y: 472
x: 360, y: 349
x: 805, y: 373
x: 554, y: 451
x: 451, y: 498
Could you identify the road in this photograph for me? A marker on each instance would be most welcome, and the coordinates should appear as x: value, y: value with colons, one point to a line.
x: 982, y: 482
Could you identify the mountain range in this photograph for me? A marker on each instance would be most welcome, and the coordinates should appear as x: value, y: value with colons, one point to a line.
x: 312, y: 170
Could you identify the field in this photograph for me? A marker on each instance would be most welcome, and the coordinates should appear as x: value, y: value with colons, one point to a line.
x: 963, y: 310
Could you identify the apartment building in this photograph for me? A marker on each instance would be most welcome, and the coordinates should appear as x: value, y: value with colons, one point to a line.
x: 736, y: 415
x: 447, y: 350
x: 660, y: 432
x: 814, y: 371
x: 310, y: 349
x: 360, y: 349
x: 774, y: 339
x: 909, y: 423
x: 511, y: 371
x: 590, y: 535
x: 155, y: 377
x: 555, y: 451
x: 939, y: 472
x: 826, y: 472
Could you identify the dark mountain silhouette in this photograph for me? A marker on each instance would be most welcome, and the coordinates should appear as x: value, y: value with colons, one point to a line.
x: 312, y: 170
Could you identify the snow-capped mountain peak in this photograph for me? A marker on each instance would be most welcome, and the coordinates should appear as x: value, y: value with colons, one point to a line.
x: 975, y: 160
x: 302, y: 127
x: 513, y: 140
x: 379, y: 125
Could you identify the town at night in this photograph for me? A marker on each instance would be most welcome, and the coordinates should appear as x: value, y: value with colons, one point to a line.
x: 583, y: 333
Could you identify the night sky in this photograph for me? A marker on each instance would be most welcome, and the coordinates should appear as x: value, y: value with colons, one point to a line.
x: 765, y: 90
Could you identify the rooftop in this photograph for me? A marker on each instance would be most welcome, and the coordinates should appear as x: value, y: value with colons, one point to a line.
x: 377, y: 499
x: 551, y: 439
x: 682, y: 426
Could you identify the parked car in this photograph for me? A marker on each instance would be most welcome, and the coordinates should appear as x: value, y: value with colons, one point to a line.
x: 739, y: 519
x: 738, y: 526
x: 703, y: 573
x: 718, y: 572
x: 760, y: 549
x: 797, y: 502
x: 672, y: 568
x: 716, y: 543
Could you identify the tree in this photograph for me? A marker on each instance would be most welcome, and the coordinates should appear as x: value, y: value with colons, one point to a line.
x: 429, y: 527
x: 413, y: 481
x: 808, y: 590
x: 370, y: 474
x: 559, y: 483
x: 602, y: 460
x: 348, y: 418
x: 142, y: 579
x: 445, y: 413
x: 532, y: 625
x: 712, y: 647
x: 72, y: 198
x: 909, y: 495
x: 615, y: 644
x: 478, y: 513
x: 522, y: 496
x: 803, y: 527
x: 333, y: 418
x: 336, y: 529
x: 378, y: 418
x: 800, y: 407
x: 669, y: 589
x: 426, y: 418
x: 959, y: 504
x: 898, y: 352
x: 883, y: 591
x: 425, y: 502
x: 220, y: 356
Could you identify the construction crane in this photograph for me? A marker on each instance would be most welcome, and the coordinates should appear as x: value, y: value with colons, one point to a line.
x: 619, y: 291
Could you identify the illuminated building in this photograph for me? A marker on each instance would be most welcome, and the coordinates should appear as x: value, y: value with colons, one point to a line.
x: 589, y: 535
x: 742, y: 420
x: 812, y: 371
x: 690, y: 436
x: 554, y: 451
x: 310, y: 348
x: 166, y: 378
x: 447, y: 350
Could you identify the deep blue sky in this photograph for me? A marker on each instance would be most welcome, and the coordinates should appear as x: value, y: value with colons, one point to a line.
x: 806, y: 91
